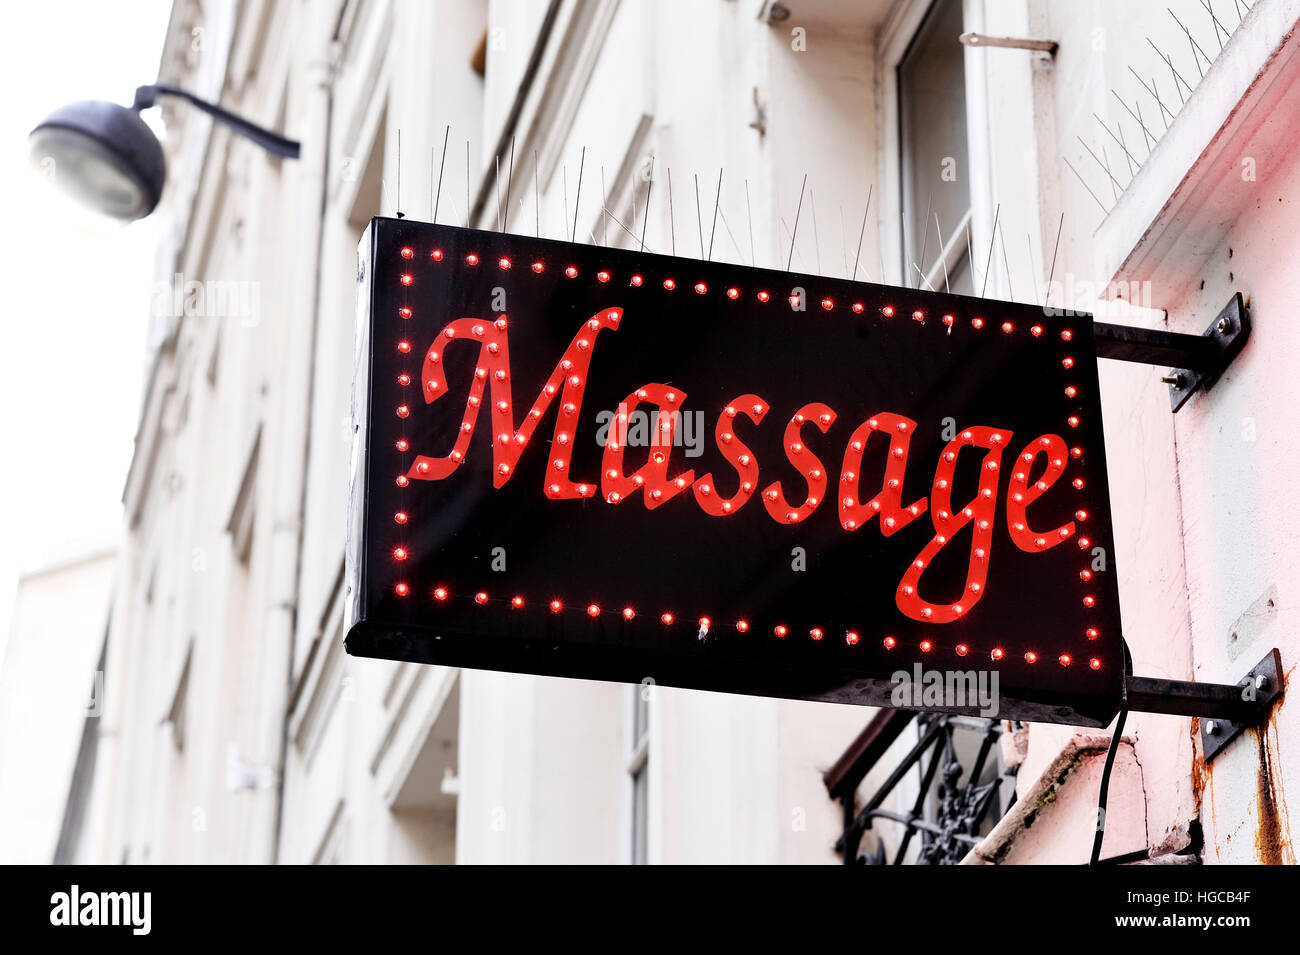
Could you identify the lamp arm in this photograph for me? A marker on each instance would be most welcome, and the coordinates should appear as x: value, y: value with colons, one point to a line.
x: 274, y: 143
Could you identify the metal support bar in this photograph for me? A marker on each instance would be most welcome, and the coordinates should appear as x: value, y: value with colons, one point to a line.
x: 1225, y: 710
x: 1149, y: 347
x: 1197, y: 361
x: 272, y: 142
x: 1010, y: 43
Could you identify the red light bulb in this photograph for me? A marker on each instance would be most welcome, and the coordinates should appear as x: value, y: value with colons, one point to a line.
x: 997, y: 653
x: 602, y: 276
x: 436, y: 255
x: 733, y: 292
x: 828, y: 304
x: 701, y: 288
x: 887, y: 311
x: 517, y: 602
x: 1065, y: 659
x: 816, y: 633
x: 763, y: 297
x: 858, y: 308
x: 667, y: 619
x: 404, y: 312
x: 780, y: 630
x: 918, y: 316
x: 571, y: 271
x: 977, y: 322
x: 962, y: 649
x: 1031, y: 657
x: 852, y: 638
x: 402, y: 589
x: 439, y: 593
x: 407, y: 252
x: 539, y: 267
x: 481, y: 597
x: 404, y: 347
x: 556, y: 606
x: 399, y: 553
x: 926, y: 646
x: 1092, y: 633
x: 890, y: 642
x: 407, y: 278
x: 637, y: 281
x: 503, y: 262
x: 401, y: 517
x: 628, y: 613
x: 1094, y: 663
x: 669, y: 284
x: 471, y: 259
x: 593, y: 610
x: 402, y: 444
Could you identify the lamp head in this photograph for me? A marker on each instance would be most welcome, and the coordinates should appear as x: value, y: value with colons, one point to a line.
x: 103, y: 156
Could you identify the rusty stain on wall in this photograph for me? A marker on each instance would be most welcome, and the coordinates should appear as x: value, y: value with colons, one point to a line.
x: 1273, y: 833
x: 1202, y: 780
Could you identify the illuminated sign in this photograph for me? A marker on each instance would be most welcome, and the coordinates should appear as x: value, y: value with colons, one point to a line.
x: 607, y: 464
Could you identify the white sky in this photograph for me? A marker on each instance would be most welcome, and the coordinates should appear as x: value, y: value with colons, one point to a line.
x: 76, y: 305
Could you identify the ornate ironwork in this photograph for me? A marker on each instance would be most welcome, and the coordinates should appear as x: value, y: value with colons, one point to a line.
x: 963, y: 799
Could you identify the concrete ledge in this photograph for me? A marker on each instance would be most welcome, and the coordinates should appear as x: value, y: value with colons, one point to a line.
x: 1055, y: 820
x: 1235, y: 127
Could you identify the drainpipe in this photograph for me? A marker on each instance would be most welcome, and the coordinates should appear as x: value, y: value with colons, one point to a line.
x: 290, y: 450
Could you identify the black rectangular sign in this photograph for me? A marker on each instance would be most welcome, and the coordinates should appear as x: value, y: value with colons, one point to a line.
x: 609, y: 464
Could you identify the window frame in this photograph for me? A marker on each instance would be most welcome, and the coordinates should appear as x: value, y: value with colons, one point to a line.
x: 892, y: 42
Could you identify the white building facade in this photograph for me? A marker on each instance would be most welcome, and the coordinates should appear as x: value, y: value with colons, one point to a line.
x: 237, y: 730
x: 51, y: 696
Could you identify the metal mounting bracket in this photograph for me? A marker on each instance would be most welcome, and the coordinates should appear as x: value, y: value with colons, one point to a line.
x: 1046, y: 47
x: 1197, y: 360
x: 1225, y: 710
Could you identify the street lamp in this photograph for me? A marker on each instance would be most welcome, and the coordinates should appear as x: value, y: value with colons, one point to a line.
x: 105, y: 157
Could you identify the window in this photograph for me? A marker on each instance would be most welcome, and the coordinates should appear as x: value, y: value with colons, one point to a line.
x: 934, y: 161
x: 179, y: 708
x: 638, y: 771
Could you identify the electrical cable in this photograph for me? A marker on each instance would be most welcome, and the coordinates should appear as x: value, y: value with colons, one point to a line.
x: 1111, y: 750
x: 1105, y: 785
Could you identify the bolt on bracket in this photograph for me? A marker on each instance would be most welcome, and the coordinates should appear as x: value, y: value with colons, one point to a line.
x: 1225, y: 710
x: 1197, y: 360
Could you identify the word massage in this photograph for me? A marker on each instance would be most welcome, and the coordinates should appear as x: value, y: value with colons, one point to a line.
x: 1043, y: 455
